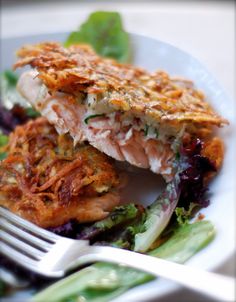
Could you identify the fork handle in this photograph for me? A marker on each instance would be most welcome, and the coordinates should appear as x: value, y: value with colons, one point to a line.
x: 216, y: 286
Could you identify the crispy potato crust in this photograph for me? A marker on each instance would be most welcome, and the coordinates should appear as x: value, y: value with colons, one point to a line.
x: 79, y: 70
x: 214, y: 150
x: 47, y: 180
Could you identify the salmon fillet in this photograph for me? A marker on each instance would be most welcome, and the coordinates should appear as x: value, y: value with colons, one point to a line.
x: 48, y: 181
x: 123, y: 111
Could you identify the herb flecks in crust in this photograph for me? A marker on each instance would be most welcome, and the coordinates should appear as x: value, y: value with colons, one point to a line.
x: 79, y: 69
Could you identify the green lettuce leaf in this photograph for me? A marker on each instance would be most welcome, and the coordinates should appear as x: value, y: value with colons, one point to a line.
x: 103, y: 282
x: 3, y: 140
x: 183, y: 215
x: 157, y: 216
x: 186, y: 241
x: 3, y: 155
x: 31, y: 112
x: 103, y: 31
x: 11, y: 77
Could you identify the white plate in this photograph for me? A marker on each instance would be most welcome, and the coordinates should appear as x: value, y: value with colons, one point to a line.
x: 152, y: 55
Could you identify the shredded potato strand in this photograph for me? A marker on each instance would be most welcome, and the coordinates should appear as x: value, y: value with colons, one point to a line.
x: 47, y: 180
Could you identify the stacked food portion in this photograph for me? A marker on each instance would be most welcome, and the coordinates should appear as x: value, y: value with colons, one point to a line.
x: 121, y: 110
x: 51, y: 175
x: 58, y: 166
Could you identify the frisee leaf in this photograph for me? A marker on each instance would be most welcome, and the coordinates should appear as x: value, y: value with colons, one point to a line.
x: 105, y: 33
x: 183, y: 215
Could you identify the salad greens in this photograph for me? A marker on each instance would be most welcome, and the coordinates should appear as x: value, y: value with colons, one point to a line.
x: 120, y: 215
x: 183, y: 215
x: 14, y: 109
x: 186, y: 192
x: 3, y: 155
x: 3, y: 141
x: 128, y: 226
x: 9, y: 94
x: 186, y: 241
x: 31, y: 112
x: 102, y: 281
x: 158, y: 216
x: 11, y: 78
x: 103, y: 31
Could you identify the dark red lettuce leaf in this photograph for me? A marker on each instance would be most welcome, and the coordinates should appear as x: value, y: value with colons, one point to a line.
x: 69, y: 229
x: 192, y: 184
x: 9, y: 119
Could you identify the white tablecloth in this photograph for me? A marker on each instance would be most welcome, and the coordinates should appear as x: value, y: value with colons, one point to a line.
x: 204, y: 29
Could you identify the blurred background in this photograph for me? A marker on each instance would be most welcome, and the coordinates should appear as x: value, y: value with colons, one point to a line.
x: 205, y: 29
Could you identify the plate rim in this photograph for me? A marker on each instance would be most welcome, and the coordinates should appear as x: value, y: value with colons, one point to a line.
x: 174, y: 287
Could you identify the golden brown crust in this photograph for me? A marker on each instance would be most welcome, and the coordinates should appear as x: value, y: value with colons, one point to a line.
x: 214, y: 150
x: 128, y: 88
x: 49, y: 181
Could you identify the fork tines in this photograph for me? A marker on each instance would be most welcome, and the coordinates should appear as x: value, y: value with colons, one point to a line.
x: 22, y: 241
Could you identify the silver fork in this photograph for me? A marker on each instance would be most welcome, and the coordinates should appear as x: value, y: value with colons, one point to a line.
x: 53, y: 256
